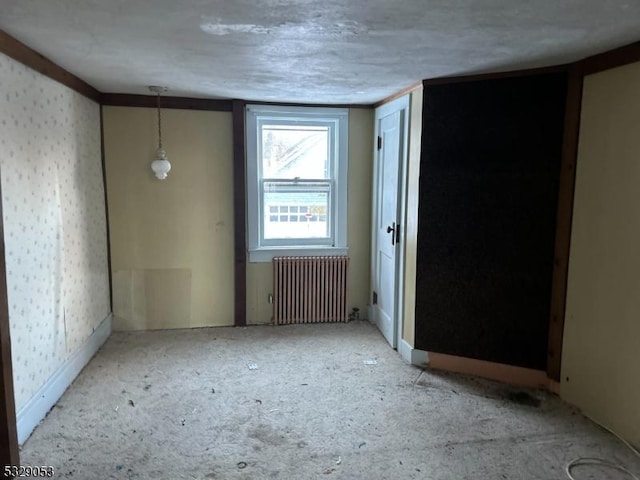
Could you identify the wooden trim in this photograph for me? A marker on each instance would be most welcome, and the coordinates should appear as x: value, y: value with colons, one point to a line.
x: 553, y: 386
x: 9, y: 454
x: 610, y: 59
x: 366, y: 106
x: 149, y: 101
x: 32, y: 59
x: 401, y: 93
x: 563, y: 222
x: 209, y: 104
x: 240, y: 212
x: 496, y: 75
x: 106, y: 207
x: 500, y: 372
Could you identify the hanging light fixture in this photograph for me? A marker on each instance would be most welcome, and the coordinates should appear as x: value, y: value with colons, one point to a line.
x: 160, y: 165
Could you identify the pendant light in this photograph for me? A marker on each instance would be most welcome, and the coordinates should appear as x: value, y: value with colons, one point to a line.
x: 160, y: 165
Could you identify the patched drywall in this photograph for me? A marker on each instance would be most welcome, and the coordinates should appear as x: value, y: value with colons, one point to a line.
x: 54, y: 222
x: 600, y: 355
x: 171, y: 240
x: 260, y: 275
x: 158, y: 298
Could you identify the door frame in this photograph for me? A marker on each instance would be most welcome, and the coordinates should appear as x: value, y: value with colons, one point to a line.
x: 401, y: 105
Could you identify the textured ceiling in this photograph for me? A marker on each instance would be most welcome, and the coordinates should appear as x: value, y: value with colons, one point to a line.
x: 355, y: 51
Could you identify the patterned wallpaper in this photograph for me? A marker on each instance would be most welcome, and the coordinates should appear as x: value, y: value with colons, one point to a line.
x: 54, y: 222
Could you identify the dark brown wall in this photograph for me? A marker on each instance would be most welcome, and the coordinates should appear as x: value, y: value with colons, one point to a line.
x: 490, y: 165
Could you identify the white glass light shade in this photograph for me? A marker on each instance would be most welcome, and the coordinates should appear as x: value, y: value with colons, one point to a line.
x: 161, y: 165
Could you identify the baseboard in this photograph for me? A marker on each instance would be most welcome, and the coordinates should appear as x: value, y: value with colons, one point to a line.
x: 510, y: 374
x: 37, y: 408
x: 412, y: 355
x: 553, y: 386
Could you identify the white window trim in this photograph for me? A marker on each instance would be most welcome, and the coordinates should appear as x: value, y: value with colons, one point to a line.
x: 262, y: 253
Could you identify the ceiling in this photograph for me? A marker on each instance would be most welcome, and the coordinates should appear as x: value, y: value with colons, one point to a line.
x: 309, y: 51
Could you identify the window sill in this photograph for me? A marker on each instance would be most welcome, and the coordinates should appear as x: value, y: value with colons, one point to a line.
x: 266, y: 254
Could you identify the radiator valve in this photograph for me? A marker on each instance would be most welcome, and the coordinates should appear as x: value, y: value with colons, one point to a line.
x: 355, y: 314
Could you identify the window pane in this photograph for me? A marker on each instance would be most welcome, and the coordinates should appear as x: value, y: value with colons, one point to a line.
x: 290, y: 151
x: 309, y: 198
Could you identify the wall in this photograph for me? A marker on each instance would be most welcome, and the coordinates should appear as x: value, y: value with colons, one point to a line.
x: 411, y: 220
x: 489, y: 175
x: 171, y: 240
x: 260, y: 275
x: 600, y: 352
x: 54, y: 223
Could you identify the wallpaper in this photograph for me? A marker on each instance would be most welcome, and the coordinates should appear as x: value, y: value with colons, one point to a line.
x: 54, y: 222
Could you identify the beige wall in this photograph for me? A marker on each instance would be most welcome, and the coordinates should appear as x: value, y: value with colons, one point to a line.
x: 259, y: 286
x: 411, y: 220
x: 601, y: 352
x: 171, y: 240
x: 260, y: 275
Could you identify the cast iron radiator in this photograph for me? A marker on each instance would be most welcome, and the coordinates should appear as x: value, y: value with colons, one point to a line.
x: 310, y: 289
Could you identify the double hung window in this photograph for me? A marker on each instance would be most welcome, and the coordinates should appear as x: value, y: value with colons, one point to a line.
x: 296, y: 181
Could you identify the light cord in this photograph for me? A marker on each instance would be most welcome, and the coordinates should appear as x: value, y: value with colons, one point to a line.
x: 596, y: 462
x: 600, y: 462
x: 159, y: 122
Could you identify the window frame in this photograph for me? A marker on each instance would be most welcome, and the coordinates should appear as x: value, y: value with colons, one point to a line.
x: 263, y: 250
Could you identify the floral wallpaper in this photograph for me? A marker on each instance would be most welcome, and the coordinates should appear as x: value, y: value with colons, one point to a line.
x: 54, y: 222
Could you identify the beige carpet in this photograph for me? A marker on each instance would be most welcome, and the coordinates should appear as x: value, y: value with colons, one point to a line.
x: 186, y: 405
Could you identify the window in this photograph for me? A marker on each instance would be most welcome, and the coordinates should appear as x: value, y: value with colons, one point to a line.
x: 296, y: 181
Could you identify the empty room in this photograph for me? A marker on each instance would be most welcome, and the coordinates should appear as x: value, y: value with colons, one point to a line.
x: 350, y: 240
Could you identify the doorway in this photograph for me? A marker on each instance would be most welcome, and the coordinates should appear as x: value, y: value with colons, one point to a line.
x: 390, y: 156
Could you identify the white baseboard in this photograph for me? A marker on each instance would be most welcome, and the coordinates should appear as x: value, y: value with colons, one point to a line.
x: 412, y: 355
x: 37, y: 408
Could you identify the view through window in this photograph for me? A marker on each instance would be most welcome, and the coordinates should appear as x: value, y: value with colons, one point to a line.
x: 296, y: 177
x: 297, y: 181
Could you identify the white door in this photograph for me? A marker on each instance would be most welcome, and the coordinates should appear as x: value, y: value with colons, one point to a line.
x: 390, y: 128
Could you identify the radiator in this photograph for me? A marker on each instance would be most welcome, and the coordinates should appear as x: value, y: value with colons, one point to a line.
x: 310, y: 289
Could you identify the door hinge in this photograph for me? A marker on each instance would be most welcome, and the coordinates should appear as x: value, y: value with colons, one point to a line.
x: 375, y: 298
x: 379, y: 142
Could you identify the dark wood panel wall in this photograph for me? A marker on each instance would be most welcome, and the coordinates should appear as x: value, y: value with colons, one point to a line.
x: 239, y: 214
x: 489, y: 176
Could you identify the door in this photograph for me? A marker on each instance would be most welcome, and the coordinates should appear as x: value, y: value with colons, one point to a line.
x: 390, y: 126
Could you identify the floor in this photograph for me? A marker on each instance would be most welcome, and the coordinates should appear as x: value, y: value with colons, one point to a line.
x: 300, y: 402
